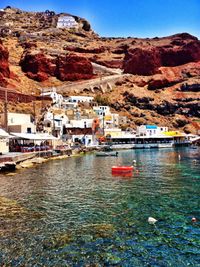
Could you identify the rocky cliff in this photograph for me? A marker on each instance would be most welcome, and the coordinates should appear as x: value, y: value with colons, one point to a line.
x: 165, y: 52
x: 4, y: 65
x: 36, y: 53
x: 39, y: 66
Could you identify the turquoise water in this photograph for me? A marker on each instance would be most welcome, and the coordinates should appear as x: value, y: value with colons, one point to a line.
x: 74, y: 213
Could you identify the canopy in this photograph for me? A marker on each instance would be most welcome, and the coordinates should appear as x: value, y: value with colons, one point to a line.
x: 155, y: 136
x: 3, y: 134
x: 174, y: 134
x: 32, y: 136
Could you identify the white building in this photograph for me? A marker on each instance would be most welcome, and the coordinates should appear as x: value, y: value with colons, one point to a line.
x: 78, y: 133
x: 69, y: 105
x: 66, y: 22
x: 82, y: 123
x: 80, y: 99
x: 150, y: 130
x: 108, y: 119
x: 102, y: 110
x: 87, y: 140
x: 19, y: 122
x: 57, y: 99
x: 4, y: 142
x: 55, y: 123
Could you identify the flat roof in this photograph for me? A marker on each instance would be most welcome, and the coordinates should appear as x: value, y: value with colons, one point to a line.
x: 151, y: 127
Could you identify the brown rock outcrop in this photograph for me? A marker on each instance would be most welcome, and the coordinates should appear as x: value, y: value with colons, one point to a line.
x: 39, y: 66
x: 171, y: 75
x: 73, y: 68
x: 113, y: 63
x: 174, y: 51
x: 142, y: 61
x: 93, y: 50
x: 4, y: 65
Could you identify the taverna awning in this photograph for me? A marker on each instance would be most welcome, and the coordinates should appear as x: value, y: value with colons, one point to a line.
x: 32, y: 136
x: 174, y: 134
x: 3, y: 134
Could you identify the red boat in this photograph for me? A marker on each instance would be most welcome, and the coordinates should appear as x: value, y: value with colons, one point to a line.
x: 122, y: 171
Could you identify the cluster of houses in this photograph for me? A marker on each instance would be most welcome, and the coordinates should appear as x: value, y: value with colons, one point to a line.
x: 70, y: 120
x: 77, y: 120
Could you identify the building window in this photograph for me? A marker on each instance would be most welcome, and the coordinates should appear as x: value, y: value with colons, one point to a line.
x: 28, y: 130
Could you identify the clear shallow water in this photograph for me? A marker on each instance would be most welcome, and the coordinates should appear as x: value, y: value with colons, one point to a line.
x: 74, y: 213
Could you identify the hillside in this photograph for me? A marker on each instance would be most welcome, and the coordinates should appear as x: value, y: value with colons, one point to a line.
x: 163, y: 85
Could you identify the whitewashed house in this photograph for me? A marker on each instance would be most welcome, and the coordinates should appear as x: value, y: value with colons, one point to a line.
x: 67, y: 22
x: 81, y: 131
x: 57, y: 99
x: 150, y: 130
x: 67, y: 105
x: 55, y: 123
x: 80, y: 99
x: 108, y: 119
x: 82, y: 123
x: 102, y: 110
x: 19, y: 122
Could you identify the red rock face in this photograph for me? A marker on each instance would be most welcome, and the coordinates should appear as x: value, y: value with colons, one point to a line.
x: 38, y: 66
x: 172, y: 75
x: 65, y: 67
x: 117, y: 63
x: 169, y: 52
x: 95, y: 50
x: 73, y: 68
x: 142, y: 61
x: 4, y: 66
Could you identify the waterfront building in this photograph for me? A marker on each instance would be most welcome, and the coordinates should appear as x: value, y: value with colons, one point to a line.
x: 150, y: 130
x: 19, y: 122
x: 4, y: 142
x: 80, y: 130
x: 179, y: 138
x: 147, y: 136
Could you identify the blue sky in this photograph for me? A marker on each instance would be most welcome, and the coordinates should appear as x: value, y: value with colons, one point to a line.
x: 136, y: 18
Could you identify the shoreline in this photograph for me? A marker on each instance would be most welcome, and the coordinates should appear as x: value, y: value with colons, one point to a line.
x: 30, y: 160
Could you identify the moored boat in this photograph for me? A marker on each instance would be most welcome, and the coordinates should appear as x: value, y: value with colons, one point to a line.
x: 106, y: 154
x: 126, y: 171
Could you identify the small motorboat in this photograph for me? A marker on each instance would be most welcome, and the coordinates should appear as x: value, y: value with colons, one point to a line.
x: 107, y: 154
